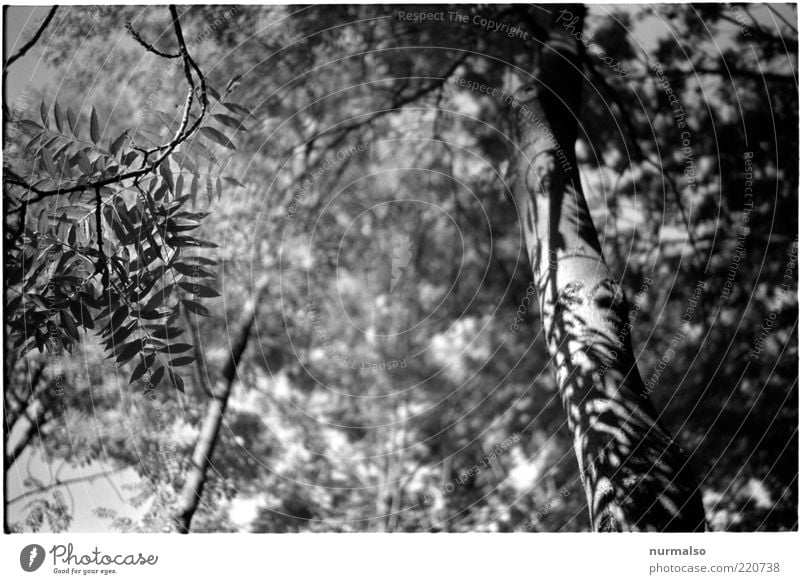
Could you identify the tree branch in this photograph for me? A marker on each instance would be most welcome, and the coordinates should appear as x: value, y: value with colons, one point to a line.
x: 399, y: 101
x: 32, y: 420
x: 640, y: 155
x: 182, y: 134
x: 189, y: 498
x: 733, y: 72
x: 62, y: 483
x: 27, y: 47
x: 756, y: 28
x: 782, y: 17
x: 147, y: 46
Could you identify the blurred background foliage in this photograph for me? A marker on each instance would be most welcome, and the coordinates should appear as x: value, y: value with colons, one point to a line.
x: 384, y: 366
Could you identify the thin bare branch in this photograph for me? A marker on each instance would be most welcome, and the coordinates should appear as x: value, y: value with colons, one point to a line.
x: 641, y: 156
x: 27, y: 46
x: 147, y: 46
x: 63, y: 483
x: 782, y: 18
x: 181, y: 135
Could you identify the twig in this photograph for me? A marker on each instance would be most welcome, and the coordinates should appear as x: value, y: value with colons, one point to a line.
x: 756, y: 25
x: 733, y: 72
x: 627, y: 120
x: 21, y: 53
x: 147, y: 46
x: 181, y: 135
x: 782, y: 17
x: 400, y: 101
x: 758, y: 30
x: 640, y: 155
x: 681, y: 209
x: 65, y: 482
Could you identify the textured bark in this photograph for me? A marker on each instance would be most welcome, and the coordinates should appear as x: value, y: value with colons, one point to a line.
x: 192, y: 489
x: 635, y: 477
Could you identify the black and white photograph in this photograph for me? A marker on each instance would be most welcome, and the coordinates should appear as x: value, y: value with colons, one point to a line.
x: 523, y: 269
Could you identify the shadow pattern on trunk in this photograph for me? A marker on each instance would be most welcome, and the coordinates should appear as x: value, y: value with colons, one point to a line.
x: 634, y: 475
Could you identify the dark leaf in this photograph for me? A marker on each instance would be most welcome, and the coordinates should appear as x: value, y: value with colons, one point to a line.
x: 238, y: 109
x: 181, y: 361
x: 49, y: 163
x: 59, y: 115
x: 212, y: 92
x: 117, y: 144
x: 216, y: 136
x: 129, y: 351
x: 140, y: 370
x: 229, y: 121
x: 94, y: 127
x: 176, y: 380
x: 166, y: 174
x: 176, y: 348
x: 233, y: 181
x: 173, y: 227
x: 43, y: 113
x: 119, y: 336
x: 130, y: 157
x: 63, y: 149
x: 194, y: 187
x: 83, y: 162
x: 155, y: 314
x: 73, y: 122
x: 31, y: 125
x: 161, y: 191
x: 37, y: 140
x: 156, y: 377
x: 233, y: 84
x: 165, y: 332
x: 196, y: 308
x: 184, y: 161
x: 158, y: 298
x: 179, y: 185
x: 199, y: 290
x: 119, y: 317
x: 81, y: 314
x: 69, y: 325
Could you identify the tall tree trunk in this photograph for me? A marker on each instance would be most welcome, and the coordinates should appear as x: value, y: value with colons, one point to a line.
x: 192, y: 490
x: 635, y: 477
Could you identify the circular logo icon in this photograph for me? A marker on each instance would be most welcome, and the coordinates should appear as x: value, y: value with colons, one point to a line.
x: 31, y: 557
